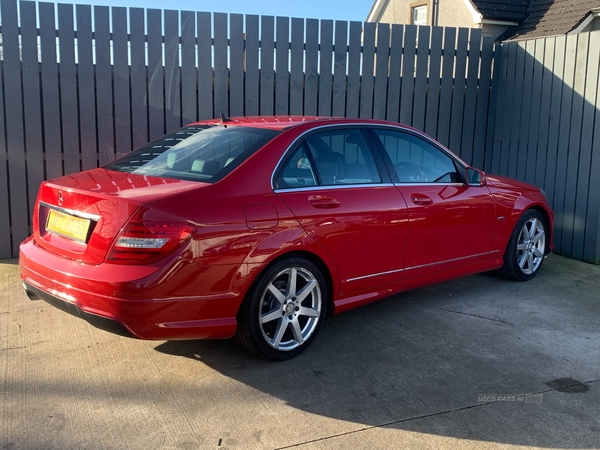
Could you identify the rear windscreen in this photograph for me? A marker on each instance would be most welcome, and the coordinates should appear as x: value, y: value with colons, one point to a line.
x: 198, y: 152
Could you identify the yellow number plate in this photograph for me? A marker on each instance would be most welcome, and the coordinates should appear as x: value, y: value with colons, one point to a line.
x: 72, y: 227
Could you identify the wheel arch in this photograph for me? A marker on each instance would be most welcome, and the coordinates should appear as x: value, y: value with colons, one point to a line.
x: 547, y: 219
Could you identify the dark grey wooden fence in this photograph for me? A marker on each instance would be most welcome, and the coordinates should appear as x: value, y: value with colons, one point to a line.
x: 547, y: 132
x: 83, y: 85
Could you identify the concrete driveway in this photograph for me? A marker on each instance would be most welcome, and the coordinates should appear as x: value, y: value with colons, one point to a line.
x: 480, y: 362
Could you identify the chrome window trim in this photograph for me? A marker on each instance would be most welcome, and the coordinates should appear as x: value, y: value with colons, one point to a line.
x: 431, y: 183
x: 72, y: 212
x: 368, y: 125
x: 331, y: 186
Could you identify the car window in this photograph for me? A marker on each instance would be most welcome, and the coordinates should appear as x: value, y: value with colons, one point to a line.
x: 342, y: 157
x: 202, y: 153
x: 416, y: 160
x: 297, y: 171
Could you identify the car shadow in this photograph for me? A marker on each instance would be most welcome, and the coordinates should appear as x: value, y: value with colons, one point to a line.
x: 416, y: 361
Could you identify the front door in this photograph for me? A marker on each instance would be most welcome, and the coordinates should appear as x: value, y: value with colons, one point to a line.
x: 339, y: 194
x: 450, y: 223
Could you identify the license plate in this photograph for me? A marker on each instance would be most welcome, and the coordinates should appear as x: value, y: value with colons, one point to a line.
x: 68, y: 226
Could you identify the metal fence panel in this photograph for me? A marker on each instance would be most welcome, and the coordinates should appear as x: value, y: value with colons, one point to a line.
x: 446, y: 89
x: 575, y: 150
x: 32, y: 101
x: 156, y: 95
x: 121, y: 82
x: 544, y: 111
x: 470, y: 106
x: 297, y: 68
x: 353, y: 88
x: 339, y: 69
x: 458, y: 97
x: 252, y: 74
x: 6, y: 244
x: 483, y: 114
x: 433, y: 88
x: 381, y: 71
x: 586, y: 208
x: 14, y: 126
x: 555, y: 117
x: 267, y: 71
x: 395, y: 80
x: 408, y: 74
x: 550, y: 131
x: 525, y: 124
x: 221, y: 75
x: 325, y: 67
x: 189, y: 73
x: 421, y: 79
x: 236, y: 65
x: 139, y: 76
x: 560, y: 180
x: 311, y: 77
x: 282, y: 60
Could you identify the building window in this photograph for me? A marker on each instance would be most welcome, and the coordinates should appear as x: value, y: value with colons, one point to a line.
x: 418, y: 15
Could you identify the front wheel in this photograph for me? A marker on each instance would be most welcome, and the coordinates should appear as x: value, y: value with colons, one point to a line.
x: 284, y: 310
x: 526, y: 247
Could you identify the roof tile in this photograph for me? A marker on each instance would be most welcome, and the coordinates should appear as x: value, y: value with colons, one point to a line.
x: 551, y: 18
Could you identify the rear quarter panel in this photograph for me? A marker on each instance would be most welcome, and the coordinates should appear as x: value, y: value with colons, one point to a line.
x: 229, y: 233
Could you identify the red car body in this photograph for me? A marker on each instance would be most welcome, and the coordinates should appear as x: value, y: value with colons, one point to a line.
x: 368, y: 240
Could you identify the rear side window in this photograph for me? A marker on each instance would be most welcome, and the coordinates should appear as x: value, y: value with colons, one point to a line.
x: 201, y: 153
x: 298, y: 171
x: 330, y: 158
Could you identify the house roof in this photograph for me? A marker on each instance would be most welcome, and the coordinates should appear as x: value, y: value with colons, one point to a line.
x: 552, y: 18
x: 536, y: 18
x: 505, y: 10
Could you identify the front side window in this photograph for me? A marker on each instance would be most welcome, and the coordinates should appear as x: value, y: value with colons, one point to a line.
x: 198, y: 152
x: 415, y: 160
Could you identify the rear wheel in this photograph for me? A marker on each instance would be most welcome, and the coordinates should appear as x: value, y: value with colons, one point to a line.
x: 284, y: 310
x: 526, y: 248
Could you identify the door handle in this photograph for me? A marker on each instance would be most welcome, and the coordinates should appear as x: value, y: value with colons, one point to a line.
x: 321, y: 201
x: 420, y: 199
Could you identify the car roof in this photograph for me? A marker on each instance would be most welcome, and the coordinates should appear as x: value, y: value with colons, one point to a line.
x: 285, y: 122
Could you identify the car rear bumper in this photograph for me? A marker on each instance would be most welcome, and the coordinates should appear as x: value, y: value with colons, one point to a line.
x: 132, y: 301
x: 103, y: 323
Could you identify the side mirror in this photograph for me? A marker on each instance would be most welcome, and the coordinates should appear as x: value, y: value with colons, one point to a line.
x: 475, y: 177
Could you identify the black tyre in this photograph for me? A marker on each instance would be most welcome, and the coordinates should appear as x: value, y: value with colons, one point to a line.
x: 526, y: 247
x: 284, y: 310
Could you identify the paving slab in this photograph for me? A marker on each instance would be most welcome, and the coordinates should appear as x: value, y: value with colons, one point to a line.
x: 459, y: 365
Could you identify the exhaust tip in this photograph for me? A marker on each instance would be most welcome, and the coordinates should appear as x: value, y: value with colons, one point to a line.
x: 30, y: 294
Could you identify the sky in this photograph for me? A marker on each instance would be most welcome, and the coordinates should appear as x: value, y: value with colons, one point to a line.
x: 355, y: 10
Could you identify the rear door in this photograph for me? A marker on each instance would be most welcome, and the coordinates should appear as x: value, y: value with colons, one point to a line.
x: 450, y: 222
x: 341, y: 194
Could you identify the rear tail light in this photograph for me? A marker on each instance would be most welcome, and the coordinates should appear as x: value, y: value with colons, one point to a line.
x: 144, y: 242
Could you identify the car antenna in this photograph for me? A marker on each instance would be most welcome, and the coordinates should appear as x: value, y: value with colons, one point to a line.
x: 224, y: 118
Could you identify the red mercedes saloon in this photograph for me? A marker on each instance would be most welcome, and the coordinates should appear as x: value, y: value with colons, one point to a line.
x: 262, y: 227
